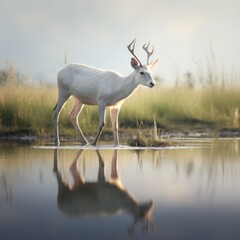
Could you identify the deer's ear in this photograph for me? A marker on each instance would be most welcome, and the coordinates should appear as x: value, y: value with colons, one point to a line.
x: 134, y: 63
x: 153, y: 64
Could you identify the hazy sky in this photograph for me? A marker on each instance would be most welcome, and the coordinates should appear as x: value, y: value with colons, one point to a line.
x: 36, y: 34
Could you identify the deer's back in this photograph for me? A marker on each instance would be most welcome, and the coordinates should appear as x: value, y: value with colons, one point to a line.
x: 87, y: 83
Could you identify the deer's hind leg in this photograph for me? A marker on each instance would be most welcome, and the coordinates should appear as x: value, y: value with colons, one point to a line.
x: 76, y: 110
x: 62, y: 98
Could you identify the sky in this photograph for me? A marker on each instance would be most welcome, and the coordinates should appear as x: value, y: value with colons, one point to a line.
x: 37, y: 34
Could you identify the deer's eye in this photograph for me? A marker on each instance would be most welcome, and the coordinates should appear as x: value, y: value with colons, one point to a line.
x: 142, y: 73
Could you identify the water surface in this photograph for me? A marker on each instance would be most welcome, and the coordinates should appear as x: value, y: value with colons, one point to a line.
x: 188, y: 193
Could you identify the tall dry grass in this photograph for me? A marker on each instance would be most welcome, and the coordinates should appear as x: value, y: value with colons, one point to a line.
x: 27, y: 106
x: 181, y: 106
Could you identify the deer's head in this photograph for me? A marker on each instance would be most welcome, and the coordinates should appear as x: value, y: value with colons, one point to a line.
x: 142, y: 213
x: 143, y: 74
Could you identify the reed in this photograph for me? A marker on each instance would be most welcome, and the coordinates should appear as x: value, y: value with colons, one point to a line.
x: 182, y: 106
x: 27, y: 106
x: 31, y: 107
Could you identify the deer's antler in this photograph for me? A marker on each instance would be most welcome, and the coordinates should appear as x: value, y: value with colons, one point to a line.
x: 131, y: 47
x: 146, y: 49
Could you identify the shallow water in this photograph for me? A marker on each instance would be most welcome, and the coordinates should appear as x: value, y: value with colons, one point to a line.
x: 181, y: 193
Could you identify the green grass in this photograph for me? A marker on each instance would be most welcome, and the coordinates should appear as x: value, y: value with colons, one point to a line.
x: 175, y: 107
x: 26, y: 107
x: 144, y: 140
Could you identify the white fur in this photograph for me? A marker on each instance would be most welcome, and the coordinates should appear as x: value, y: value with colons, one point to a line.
x: 93, y: 86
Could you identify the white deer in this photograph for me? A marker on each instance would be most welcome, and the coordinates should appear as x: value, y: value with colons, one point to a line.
x: 104, y: 88
x: 103, y: 197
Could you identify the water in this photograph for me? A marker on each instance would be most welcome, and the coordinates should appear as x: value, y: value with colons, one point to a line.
x: 186, y: 193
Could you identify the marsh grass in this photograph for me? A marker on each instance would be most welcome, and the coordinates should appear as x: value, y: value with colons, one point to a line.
x: 181, y: 107
x: 27, y: 107
x: 146, y: 138
x: 184, y: 106
x: 143, y: 141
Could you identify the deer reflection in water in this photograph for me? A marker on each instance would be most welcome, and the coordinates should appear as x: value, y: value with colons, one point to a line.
x: 103, y: 197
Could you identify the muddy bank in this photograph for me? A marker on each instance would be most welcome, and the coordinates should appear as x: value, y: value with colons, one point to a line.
x: 126, y: 134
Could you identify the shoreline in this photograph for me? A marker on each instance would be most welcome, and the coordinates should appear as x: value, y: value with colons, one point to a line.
x: 30, y: 135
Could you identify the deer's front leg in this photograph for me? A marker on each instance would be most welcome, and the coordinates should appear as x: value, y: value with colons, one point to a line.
x: 102, y: 121
x: 114, y: 118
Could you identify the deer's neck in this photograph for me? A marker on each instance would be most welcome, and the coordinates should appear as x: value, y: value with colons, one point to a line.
x: 129, y: 85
